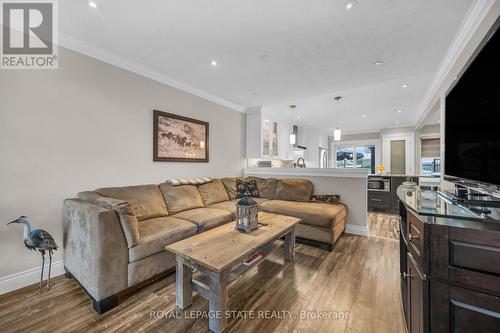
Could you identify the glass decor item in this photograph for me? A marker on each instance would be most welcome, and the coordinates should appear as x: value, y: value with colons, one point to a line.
x: 266, y: 146
x: 275, y: 139
x: 247, y: 215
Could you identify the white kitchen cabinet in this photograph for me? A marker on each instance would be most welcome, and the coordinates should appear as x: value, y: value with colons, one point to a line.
x: 267, y: 135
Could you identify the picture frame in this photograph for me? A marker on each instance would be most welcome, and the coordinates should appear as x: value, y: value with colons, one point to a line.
x: 179, y: 139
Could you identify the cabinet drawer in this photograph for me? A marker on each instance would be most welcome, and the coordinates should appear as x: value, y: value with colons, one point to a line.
x: 415, y: 236
x: 455, y: 309
x: 379, y: 200
x: 467, y: 257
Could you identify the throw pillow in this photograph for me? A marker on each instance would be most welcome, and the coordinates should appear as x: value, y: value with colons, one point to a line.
x: 266, y: 186
x: 328, y: 198
x: 247, y: 189
x: 213, y: 192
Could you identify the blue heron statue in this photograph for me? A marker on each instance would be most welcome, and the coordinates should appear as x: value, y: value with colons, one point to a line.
x: 38, y: 240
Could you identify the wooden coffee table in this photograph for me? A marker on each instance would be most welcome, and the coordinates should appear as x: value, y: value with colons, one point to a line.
x: 217, y: 256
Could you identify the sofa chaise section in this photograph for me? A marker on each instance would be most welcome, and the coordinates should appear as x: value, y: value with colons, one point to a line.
x: 321, y: 222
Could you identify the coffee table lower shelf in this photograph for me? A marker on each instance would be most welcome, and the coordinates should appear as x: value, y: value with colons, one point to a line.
x: 213, y: 285
x: 201, y: 281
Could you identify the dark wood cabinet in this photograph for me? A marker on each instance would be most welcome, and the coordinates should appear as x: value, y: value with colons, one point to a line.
x: 450, y: 280
x: 379, y: 201
x: 417, y: 298
x: 386, y: 201
x: 456, y: 309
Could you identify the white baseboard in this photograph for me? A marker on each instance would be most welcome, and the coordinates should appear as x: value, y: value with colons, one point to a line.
x: 29, y: 276
x: 356, y: 230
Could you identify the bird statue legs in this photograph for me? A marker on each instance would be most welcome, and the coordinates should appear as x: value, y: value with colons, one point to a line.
x: 41, y: 276
x: 50, y: 266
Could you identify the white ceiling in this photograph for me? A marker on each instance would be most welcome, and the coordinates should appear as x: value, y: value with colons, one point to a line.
x: 379, y: 102
x: 278, y: 51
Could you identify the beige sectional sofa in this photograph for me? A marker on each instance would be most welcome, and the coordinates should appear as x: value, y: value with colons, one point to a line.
x: 115, y: 238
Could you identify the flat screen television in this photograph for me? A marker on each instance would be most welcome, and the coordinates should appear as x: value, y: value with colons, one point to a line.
x: 472, y: 117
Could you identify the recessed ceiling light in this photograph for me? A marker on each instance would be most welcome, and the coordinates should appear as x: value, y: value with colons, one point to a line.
x: 213, y: 63
x: 455, y: 78
x: 364, y: 116
x: 399, y: 111
x: 310, y: 124
x: 298, y: 117
x: 378, y: 62
x: 397, y: 122
x: 93, y: 4
x: 348, y: 5
x: 405, y: 86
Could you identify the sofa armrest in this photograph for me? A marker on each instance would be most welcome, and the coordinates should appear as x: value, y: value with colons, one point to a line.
x: 126, y: 214
x: 95, y: 249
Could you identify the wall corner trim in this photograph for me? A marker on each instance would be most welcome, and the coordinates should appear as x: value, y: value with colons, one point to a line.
x: 356, y: 230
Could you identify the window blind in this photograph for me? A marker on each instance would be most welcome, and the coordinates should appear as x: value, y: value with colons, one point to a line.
x: 430, y: 148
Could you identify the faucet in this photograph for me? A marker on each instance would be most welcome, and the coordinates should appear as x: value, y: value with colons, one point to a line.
x: 300, y: 165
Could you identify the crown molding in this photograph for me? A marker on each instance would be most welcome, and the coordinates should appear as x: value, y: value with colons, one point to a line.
x: 95, y: 52
x: 469, y: 26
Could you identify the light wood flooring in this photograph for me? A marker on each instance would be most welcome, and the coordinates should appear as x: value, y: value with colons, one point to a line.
x: 360, y: 277
x: 383, y: 225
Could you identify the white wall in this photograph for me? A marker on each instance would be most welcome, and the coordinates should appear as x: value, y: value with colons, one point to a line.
x: 351, y: 184
x: 312, y: 139
x: 86, y: 125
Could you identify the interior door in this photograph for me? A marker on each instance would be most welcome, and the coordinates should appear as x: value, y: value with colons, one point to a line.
x: 398, y: 153
x: 398, y: 157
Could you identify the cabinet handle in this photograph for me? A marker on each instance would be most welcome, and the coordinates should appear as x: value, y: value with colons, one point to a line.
x: 405, y: 275
x: 410, y: 237
x: 378, y: 200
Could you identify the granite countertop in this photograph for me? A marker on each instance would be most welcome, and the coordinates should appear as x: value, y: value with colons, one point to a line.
x: 398, y: 175
x: 446, y: 213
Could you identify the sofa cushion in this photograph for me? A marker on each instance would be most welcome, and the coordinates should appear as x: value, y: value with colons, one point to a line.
x: 294, y: 190
x: 230, y: 186
x: 156, y: 233
x: 324, y: 215
x: 125, y: 212
x: 206, y: 218
x: 230, y: 206
x: 213, y: 192
x: 266, y: 186
x: 182, y: 197
x: 146, y: 200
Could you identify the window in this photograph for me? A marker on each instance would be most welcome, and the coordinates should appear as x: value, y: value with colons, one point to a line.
x: 430, y: 163
x: 363, y: 158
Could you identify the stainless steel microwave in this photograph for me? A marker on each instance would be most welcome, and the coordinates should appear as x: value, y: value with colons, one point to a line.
x: 379, y: 184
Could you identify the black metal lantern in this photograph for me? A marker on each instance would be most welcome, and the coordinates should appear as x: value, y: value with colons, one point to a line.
x: 247, y: 215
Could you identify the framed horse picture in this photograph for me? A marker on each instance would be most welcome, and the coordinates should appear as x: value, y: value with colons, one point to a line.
x: 179, y: 139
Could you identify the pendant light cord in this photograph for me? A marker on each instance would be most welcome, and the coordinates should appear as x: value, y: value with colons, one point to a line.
x: 338, y: 98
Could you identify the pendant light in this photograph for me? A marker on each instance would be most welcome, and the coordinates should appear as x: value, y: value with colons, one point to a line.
x: 293, y: 137
x: 337, y: 134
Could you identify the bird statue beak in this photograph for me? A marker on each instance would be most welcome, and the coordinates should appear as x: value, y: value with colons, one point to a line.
x: 15, y: 221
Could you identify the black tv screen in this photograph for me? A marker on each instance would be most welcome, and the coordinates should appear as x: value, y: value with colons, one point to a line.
x: 472, y: 118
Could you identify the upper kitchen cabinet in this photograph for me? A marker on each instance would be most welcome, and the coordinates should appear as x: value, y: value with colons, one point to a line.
x: 267, y: 135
